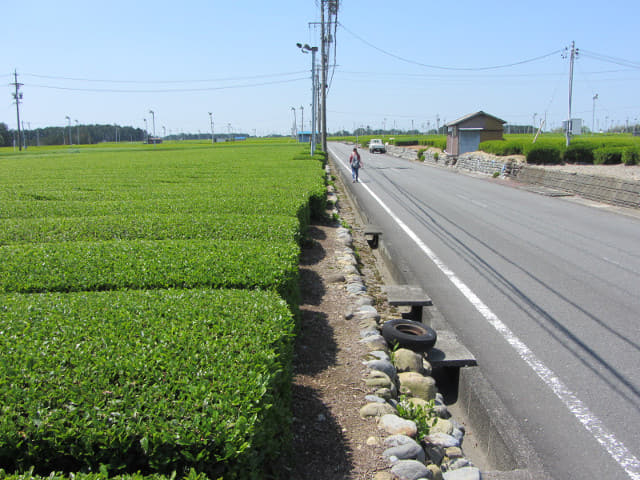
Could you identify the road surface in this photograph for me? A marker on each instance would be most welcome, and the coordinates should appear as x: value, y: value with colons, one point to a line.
x: 545, y: 292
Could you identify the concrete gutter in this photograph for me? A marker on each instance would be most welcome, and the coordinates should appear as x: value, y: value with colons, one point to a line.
x: 508, y: 454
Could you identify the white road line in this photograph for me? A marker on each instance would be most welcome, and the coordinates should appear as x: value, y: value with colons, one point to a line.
x: 615, y: 448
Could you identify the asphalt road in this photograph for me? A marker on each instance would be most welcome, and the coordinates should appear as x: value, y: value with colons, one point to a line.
x: 545, y: 292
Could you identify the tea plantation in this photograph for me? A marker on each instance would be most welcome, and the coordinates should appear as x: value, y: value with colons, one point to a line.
x: 148, y: 305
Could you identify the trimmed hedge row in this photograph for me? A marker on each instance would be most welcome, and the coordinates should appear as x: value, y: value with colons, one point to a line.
x: 145, y: 381
x: 150, y: 226
x: 146, y: 264
x: 550, y: 150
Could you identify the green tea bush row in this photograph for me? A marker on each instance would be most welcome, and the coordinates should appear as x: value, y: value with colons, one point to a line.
x: 150, y: 226
x: 608, y: 155
x: 144, y: 264
x: 631, y: 156
x: 145, y: 381
x: 502, y: 147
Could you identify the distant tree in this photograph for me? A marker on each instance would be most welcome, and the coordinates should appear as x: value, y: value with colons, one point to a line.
x: 5, y: 135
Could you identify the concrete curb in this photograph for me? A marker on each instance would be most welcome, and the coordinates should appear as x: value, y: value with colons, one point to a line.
x: 510, y: 453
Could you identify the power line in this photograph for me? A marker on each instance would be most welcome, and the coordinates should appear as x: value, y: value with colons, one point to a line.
x: 610, y: 59
x: 226, y: 79
x: 167, y: 90
x: 440, y: 67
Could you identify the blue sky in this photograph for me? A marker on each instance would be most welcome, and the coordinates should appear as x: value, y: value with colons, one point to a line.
x: 398, y: 64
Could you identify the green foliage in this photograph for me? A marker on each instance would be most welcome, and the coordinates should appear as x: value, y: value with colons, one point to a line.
x: 543, y: 155
x: 150, y: 226
x: 502, y: 147
x: 607, y: 155
x: 631, y: 156
x: 424, y: 416
x: 149, y: 381
x: 581, y: 149
x: 579, y: 153
x: 110, y: 369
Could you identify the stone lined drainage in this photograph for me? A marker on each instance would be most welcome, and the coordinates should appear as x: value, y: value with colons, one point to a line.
x: 401, y: 376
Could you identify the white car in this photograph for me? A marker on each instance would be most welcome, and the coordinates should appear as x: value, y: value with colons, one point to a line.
x: 376, y: 145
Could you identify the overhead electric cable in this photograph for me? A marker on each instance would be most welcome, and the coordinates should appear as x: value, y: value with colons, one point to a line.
x: 168, y: 90
x: 225, y: 79
x: 440, y: 67
x: 610, y: 59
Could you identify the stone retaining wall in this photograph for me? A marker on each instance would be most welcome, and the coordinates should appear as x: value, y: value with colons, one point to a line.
x: 601, y: 189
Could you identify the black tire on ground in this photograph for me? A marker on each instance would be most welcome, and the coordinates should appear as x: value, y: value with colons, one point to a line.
x: 409, y: 334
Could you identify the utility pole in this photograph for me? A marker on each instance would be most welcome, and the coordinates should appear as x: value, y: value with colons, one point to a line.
x: 153, y: 118
x: 323, y: 93
x: 301, y: 118
x: 211, y: 121
x: 593, y: 115
x: 17, y: 97
x: 572, y: 56
x: 294, y: 132
x: 69, y: 120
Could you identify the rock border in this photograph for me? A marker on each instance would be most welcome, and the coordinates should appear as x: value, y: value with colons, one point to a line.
x: 399, y: 376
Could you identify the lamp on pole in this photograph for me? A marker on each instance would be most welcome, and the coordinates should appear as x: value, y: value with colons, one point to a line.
x: 78, y: 131
x: 211, y: 122
x: 146, y: 135
x: 153, y: 117
x: 306, y: 49
x: 69, y: 120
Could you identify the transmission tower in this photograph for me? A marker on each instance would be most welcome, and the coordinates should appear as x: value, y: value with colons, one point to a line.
x: 17, y: 95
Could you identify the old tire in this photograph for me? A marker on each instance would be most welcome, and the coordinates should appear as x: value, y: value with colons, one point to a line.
x: 409, y: 334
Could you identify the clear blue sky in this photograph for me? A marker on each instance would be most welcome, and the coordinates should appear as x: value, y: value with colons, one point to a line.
x: 113, y: 62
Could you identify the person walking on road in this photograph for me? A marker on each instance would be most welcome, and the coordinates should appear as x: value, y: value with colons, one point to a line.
x: 356, y: 163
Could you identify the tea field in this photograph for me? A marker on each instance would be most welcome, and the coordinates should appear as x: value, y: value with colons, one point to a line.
x: 148, y: 300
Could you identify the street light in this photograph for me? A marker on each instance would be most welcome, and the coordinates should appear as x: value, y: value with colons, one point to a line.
x: 295, y: 125
x: 306, y: 49
x: 153, y: 117
x: 69, y: 120
x: 78, y: 131
x: 146, y: 135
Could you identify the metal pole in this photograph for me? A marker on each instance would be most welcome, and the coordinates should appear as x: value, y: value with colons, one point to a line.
x: 69, y: 120
x: 18, y: 97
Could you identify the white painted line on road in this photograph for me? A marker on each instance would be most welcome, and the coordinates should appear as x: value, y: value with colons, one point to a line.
x: 615, y: 448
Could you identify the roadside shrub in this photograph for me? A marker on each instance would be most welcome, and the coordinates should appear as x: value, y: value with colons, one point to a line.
x: 578, y: 153
x: 502, y: 147
x: 405, y: 142
x: 607, y: 155
x: 544, y: 155
x: 631, y: 156
x: 439, y: 142
x: 421, y: 154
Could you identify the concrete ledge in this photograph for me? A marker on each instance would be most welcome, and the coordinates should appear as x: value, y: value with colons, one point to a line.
x: 601, y: 189
x: 496, y: 431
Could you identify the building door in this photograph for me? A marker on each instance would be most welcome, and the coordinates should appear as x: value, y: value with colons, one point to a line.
x: 469, y: 141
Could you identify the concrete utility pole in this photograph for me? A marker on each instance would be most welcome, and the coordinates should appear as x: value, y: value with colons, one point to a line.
x: 294, y: 132
x: 572, y: 56
x: 593, y: 115
x: 17, y: 96
x: 211, y: 121
x: 153, y: 117
x: 69, y: 120
x: 301, y: 118
x: 327, y: 38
